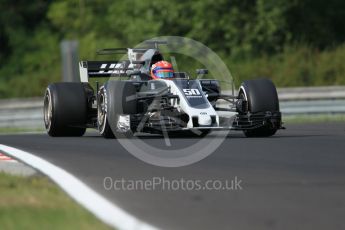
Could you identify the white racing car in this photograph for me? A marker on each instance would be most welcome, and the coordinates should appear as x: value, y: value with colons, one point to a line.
x: 144, y: 94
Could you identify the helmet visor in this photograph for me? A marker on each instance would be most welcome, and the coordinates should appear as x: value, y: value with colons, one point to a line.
x: 164, y: 74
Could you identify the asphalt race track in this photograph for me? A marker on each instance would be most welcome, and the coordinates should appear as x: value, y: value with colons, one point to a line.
x: 294, y: 180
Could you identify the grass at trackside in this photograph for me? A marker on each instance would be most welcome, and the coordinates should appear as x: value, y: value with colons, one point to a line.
x: 10, y: 130
x: 313, y: 119
x: 36, y: 203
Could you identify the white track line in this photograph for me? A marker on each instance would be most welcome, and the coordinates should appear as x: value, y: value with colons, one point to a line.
x: 80, y: 192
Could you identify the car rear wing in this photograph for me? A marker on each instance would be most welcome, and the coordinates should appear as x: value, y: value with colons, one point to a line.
x: 93, y: 69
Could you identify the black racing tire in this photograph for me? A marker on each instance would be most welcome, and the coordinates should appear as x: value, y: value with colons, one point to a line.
x: 120, y: 100
x: 261, y: 95
x: 65, y: 109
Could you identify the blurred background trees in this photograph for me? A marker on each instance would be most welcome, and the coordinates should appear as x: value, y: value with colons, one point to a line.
x: 295, y: 43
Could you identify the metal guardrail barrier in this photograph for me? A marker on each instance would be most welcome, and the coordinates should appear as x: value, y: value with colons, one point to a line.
x: 24, y: 113
x: 28, y: 113
x: 311, y: 107
x: 312, y: 100
x: 311, y: 93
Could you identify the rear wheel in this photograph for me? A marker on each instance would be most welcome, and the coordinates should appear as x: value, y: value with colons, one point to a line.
x: 261, y: 95
x: 65, y: 109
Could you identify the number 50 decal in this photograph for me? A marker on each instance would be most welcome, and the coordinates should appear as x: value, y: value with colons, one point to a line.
x: 191, y: 92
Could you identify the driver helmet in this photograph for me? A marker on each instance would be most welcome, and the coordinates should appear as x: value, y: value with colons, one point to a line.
x: 162, y: 70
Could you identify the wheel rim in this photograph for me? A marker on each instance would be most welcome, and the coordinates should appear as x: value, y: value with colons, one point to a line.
x: 101, y: 113
x: 242, y: 95
x: 48, y: 110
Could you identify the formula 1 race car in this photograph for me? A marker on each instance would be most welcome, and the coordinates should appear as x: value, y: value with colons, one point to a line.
x: 140, y: 104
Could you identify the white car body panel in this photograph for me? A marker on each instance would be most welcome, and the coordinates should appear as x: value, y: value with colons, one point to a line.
x: 204, y: 114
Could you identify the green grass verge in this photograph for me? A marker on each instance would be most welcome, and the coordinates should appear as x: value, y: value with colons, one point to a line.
x: 313, y: 118
x: 11, y: 130
x: 37, y: 203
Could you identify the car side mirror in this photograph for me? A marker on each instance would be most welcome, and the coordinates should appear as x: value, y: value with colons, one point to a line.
x: 202, y: 71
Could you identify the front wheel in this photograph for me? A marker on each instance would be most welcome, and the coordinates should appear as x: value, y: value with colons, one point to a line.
x: 261, y: 96
x: 102, y: 121
x: 116, y: 103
